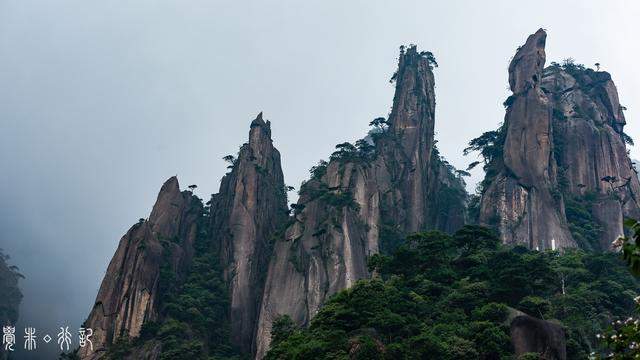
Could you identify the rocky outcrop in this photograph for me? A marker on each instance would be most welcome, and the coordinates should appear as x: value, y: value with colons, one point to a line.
x: 520, y: 198
x: 246, y: 213
x: 532, y: 335
x: 589, y: 146
x: 364, y: 200
x: 562, y: 137
x: 131, y: 290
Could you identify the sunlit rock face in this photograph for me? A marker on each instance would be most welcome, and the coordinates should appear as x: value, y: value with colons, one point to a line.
x: 358, y: 205
x: 563, y: 136
x: 129, y: 293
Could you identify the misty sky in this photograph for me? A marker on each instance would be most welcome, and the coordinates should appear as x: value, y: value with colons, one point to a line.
x: 101, y: 101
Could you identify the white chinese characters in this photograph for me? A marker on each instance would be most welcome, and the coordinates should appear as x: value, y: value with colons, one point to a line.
x: 31, y: 338
x: 8, y: 337
x: 84, y: 335
x: 64, y: 338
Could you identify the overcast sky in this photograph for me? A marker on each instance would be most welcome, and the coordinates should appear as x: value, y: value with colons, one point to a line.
x: 101, y: 101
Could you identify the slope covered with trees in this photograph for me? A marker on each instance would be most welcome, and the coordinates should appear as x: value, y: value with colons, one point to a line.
x: 450, y: 297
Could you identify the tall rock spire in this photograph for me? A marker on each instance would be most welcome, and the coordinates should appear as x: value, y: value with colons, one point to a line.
x: 564, y: 178
x: 247, y: 211
x: 130, y: 291
x: 521, y: 197
x: 411, y: 122
x: 366, y: 198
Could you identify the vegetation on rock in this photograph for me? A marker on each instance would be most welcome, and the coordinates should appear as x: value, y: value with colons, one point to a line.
x: 447, y: 296
x: 11, y: 294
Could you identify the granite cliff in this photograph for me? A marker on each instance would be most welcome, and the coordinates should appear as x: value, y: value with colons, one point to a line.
x: 131, y: 289
x: 363, y: 201
x: 151, y: 278
x: 559, y: 174
x: 249, y: 209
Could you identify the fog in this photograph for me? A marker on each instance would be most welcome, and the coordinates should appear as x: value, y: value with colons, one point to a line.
x: 101, y: 101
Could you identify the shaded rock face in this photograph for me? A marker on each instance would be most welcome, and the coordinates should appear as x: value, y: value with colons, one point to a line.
x: 531, y: 335
x: 588, y: 127
x: 130, y: 291
x: 11, y: 294
x: 246, y: 213
x: 360, y: 203
x: 562, y: 136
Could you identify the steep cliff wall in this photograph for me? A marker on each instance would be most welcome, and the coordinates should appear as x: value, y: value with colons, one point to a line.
x: 148, y: 273
x: 520, y: 197
x: 595, y: 172
x: 366, y: 198
x: 562, y: 176
x: 131, y: 289
x: 246, y: 213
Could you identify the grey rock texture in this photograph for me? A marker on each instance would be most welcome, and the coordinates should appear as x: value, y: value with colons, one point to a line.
x: 362, y: 202
x: 588, y: 126
x: 520, y: 197
x: 563, y: 135
x: 249, y: 209
x: 129, y: 293
x: 532, y: 335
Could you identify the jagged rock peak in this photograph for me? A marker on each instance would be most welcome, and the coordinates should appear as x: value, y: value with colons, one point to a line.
x: 525, y: 69
x: 522, y: 200
x: 260, y: 143
x: 261, y: 127
x: 414, y: 99
x: 130, y: 291
x: 164, y: 217
x: 247, y: 211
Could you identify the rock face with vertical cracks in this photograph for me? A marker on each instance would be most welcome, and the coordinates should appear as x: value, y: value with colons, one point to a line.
x: 563, y: 136
x: 520, y: 197
x: 363, y: 201
x: 130, y: 293
x: 246, y: 213
x: 588, y: 125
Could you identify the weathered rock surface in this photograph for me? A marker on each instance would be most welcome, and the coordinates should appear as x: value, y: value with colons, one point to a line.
x: 588, y: 125
x: 532, y: 335
x: 564, y: 134
x: 246, y: 213
x: 520, y: 196
x: 129, y: 294
x: 363, y: 201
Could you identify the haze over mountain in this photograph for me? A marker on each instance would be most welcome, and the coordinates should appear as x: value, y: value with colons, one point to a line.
x: 101, y: 103
x: 243, y: 276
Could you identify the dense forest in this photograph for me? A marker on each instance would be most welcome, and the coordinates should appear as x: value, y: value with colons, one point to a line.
x: 449, y: 297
